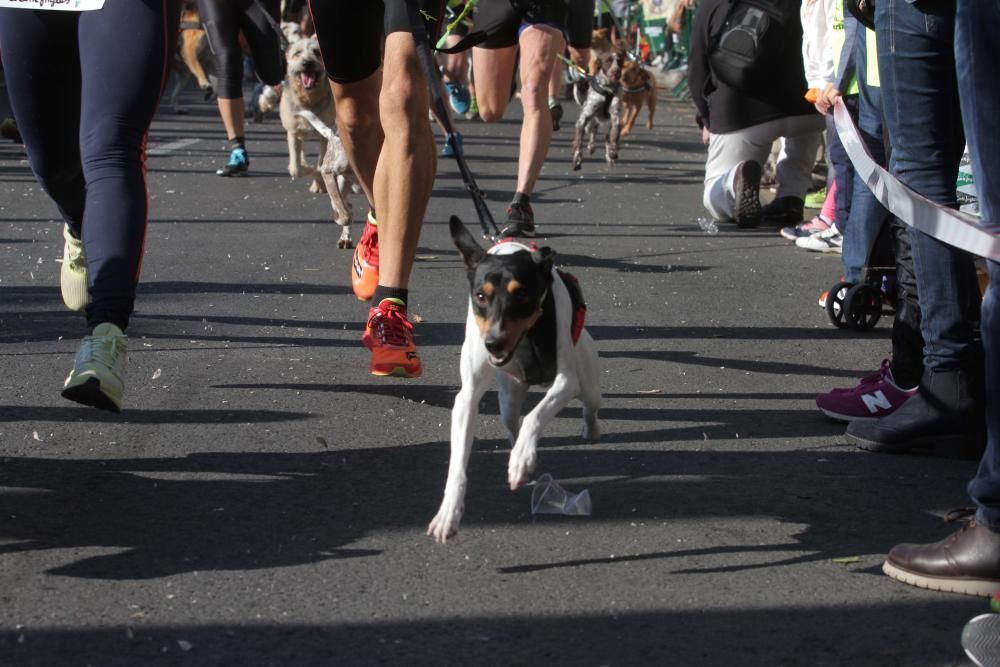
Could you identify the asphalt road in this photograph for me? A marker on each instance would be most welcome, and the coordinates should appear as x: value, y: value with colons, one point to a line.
x: 262, y: 500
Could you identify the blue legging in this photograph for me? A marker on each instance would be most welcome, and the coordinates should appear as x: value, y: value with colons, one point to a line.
x: 84, y: 87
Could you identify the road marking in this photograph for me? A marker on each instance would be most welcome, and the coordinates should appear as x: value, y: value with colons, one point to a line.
x: 166, y: 149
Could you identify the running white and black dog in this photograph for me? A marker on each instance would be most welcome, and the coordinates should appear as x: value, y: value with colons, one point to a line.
x: 603, y: 104
x: 524, y: 327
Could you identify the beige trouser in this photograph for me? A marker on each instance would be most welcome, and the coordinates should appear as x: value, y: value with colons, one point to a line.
x: 794, y: 169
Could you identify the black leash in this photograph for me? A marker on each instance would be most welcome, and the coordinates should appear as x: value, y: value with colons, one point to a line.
x: 430, y: 67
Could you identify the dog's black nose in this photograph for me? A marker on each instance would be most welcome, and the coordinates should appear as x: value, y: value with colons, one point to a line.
x: 494, y: 344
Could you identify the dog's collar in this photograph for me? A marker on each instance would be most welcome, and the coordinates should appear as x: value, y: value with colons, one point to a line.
x: 507, y: 245
x: 629, y: 91
x: 604, y: 89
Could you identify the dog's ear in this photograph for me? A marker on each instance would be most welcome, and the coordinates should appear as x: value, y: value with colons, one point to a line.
x: 472, y: 253
x: 545, y: 258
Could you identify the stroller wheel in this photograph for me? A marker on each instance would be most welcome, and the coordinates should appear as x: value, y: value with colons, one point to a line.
x: 835, y: 304
x: 863, y: 306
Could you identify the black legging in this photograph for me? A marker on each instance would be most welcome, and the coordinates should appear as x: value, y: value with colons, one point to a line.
x: 223, y: 21
x: 84, y: 87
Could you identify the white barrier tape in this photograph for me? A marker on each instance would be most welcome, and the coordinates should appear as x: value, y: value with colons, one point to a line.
x: 947, y: 225
x: 65, y: 5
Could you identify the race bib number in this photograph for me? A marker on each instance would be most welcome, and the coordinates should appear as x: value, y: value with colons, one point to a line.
x: 64, y: 5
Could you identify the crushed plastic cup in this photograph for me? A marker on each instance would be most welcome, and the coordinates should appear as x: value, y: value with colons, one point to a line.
x: 549, y: 498
x: 708, y: 226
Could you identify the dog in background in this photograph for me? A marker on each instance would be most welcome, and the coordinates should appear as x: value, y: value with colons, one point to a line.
x: 602, y: 104
x: 600, y: 46
x: 305, y: 88
x: 638, y: 88
x: 337, y: 175
x: 524, y: 328
x: 194, y: 57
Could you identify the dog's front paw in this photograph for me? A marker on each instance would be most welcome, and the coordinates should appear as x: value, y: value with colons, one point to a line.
x: 317, y: 186
x: 445, y: 524
x: 345, y: 242
x: 577, y: 162
x: 294, y: 171
x: 522, y: 464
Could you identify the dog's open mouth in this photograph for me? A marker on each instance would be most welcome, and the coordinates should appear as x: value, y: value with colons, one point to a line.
x: 502, y: 359
x: 308, y: 80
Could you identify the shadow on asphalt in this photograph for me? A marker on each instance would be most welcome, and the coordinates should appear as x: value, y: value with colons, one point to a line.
x: 821, y: 635
x: 248, y: 511
x: 251, y: 510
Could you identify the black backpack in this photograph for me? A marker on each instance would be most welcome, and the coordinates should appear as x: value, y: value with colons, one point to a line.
x: 755, y: 38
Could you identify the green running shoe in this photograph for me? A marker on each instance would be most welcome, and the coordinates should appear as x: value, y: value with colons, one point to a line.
x: 97, y: 378
x: 816, y: 199
x: 73, y: 274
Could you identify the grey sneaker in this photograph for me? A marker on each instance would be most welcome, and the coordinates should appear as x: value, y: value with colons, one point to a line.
x: 73, y: 274
x: 98, y: 375
x: 981, y: 640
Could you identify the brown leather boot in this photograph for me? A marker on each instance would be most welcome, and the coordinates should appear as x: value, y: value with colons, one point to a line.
x: 966, y: 562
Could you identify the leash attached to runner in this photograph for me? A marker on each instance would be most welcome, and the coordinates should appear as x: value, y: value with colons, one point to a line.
x: 429, y: 65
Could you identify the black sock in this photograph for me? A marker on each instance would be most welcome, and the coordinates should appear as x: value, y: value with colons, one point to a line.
x: 382, y: 293
x: 237, y: 142
x: 521, y: 198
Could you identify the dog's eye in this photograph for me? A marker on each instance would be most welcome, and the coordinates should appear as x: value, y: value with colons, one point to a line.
x: 480, y: 297
x: 519, y: 296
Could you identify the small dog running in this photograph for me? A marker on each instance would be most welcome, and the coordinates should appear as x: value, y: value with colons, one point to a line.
x: 603, y: 103
x: 638, y: 89
x: 338, y: 177
x: 524, y: 327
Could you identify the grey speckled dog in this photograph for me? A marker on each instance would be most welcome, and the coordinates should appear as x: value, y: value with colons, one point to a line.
x: 603, y: 104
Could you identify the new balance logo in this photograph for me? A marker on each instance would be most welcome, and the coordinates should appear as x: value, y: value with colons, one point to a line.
x: 876, y: 400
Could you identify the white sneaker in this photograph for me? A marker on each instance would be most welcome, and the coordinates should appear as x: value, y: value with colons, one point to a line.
x: 98, y: 375
x: 829, y: 240
x: 73, y: 275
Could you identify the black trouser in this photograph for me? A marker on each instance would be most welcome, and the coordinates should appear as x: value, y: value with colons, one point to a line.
x: 224, y: 20
x: 84, y: 87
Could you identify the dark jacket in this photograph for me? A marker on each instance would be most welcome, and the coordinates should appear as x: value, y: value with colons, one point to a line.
x: 726, y: 109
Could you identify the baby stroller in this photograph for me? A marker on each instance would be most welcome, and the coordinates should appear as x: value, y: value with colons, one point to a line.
x: 859, y: 306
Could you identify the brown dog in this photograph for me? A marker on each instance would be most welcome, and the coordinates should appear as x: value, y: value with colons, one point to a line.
x: 193, y: 54
x: 638, y: 88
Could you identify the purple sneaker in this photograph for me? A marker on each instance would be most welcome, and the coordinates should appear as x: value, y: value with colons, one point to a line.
x: 874, y: 397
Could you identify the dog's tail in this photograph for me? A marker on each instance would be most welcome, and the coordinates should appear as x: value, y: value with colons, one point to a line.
x: 319, y: 125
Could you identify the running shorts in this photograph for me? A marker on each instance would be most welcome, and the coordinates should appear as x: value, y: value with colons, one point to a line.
x: 351, y: 32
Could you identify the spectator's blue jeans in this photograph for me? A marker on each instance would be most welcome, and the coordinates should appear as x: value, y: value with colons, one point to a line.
x: 867, y: 214
x: 976, y: 30
x: 916, y: 59
x: 843, y: 170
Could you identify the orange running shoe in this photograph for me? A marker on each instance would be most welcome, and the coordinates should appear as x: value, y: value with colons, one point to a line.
x: 364, y: 267
x: 389, y: 335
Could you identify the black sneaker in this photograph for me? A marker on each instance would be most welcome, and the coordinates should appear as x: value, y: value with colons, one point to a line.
x: 784, y: 212
x: 746, y: 210
x: 520, y: 221
x: 557, y: 113
x: 238, y: 165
